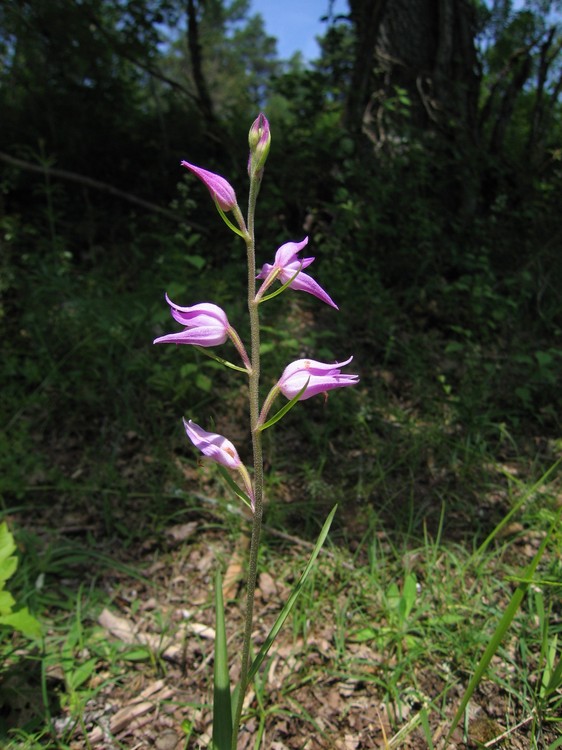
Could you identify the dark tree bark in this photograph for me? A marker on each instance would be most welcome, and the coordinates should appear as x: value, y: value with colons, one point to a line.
x: 365, y: 16
x: 104, y: 187
x: 416, y: 70
x: 204, y: 101
x: 544, y: 102
x: 426, y: 47
x: 507, y: 103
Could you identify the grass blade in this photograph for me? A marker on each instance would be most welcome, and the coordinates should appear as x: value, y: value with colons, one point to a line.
x: 502, y: 627
x: 555, y: 679
x: 293, y: 598
x: 521, y: 502
x: 222, y: 709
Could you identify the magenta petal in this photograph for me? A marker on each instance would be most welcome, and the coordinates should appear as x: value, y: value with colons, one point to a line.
x: 318, y: 368
x: 263, y: 274
x: 203, y: 308
x: 306, y: 283
x: 215, y: 446
x: 203, y: 314
x: 287, y: 253
x: 196, y: 336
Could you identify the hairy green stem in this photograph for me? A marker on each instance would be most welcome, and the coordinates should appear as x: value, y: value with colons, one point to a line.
x: 253, y: 387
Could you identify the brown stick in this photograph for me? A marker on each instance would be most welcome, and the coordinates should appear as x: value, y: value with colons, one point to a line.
x: 64, y: 174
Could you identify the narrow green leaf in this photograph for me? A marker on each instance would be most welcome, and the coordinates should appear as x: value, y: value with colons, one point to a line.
x: 81, y: 674
x: 238, y: 491
x: 136, y: 654
x: 555, y: 679
x: 187, y: 728
x: 221, y: 360
x: 222, y: 708
x: 284, y: 409
x: 409, y: 594
x: 293, y: 598
x: 227, y: 221
x: 502, y: 627
x: 532, y: 491
x: 426, y: 728
x: 364, y: 634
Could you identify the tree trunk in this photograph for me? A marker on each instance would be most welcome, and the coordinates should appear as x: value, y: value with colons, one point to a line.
x: 204, y: 102
x: 426, y: 48
x: 426, y: 80
x: 365, y: 16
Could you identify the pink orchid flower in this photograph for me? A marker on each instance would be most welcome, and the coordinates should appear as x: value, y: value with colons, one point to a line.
x: 205, y: 325
x: 286, y: 265
x: 221, y: 190
x: 318, y: 377
x: 216, y: 447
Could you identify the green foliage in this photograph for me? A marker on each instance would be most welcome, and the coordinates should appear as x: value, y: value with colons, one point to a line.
x: 20, y: 620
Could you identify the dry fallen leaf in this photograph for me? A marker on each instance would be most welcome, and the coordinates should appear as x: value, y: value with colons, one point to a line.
x: 233, y: 574
x: 181, y: 531
x: 170, y: 647
x: 127, y: 716
x: 267, y: 586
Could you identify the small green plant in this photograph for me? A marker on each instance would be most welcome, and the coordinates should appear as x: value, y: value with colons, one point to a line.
x: 20, y: 620
x: 548, y: 698
x: 399, y: 606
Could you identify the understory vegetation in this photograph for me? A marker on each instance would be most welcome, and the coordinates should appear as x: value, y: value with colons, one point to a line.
x: 442, y: 249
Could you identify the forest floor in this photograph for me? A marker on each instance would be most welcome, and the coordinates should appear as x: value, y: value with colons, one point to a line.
x: 128, y: 650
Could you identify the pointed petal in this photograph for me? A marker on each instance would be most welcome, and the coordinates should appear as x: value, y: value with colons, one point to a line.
x: 288, y: 252
x: 306, y: 283
x: 201, y: 336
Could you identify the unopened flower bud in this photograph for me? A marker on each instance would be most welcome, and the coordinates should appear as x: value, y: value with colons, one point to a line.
x: 259, y: 139
x: 221, y: 190
x: 216, y: 447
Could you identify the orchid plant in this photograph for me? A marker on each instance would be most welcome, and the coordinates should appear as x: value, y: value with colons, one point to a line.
x: 206, y: 325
